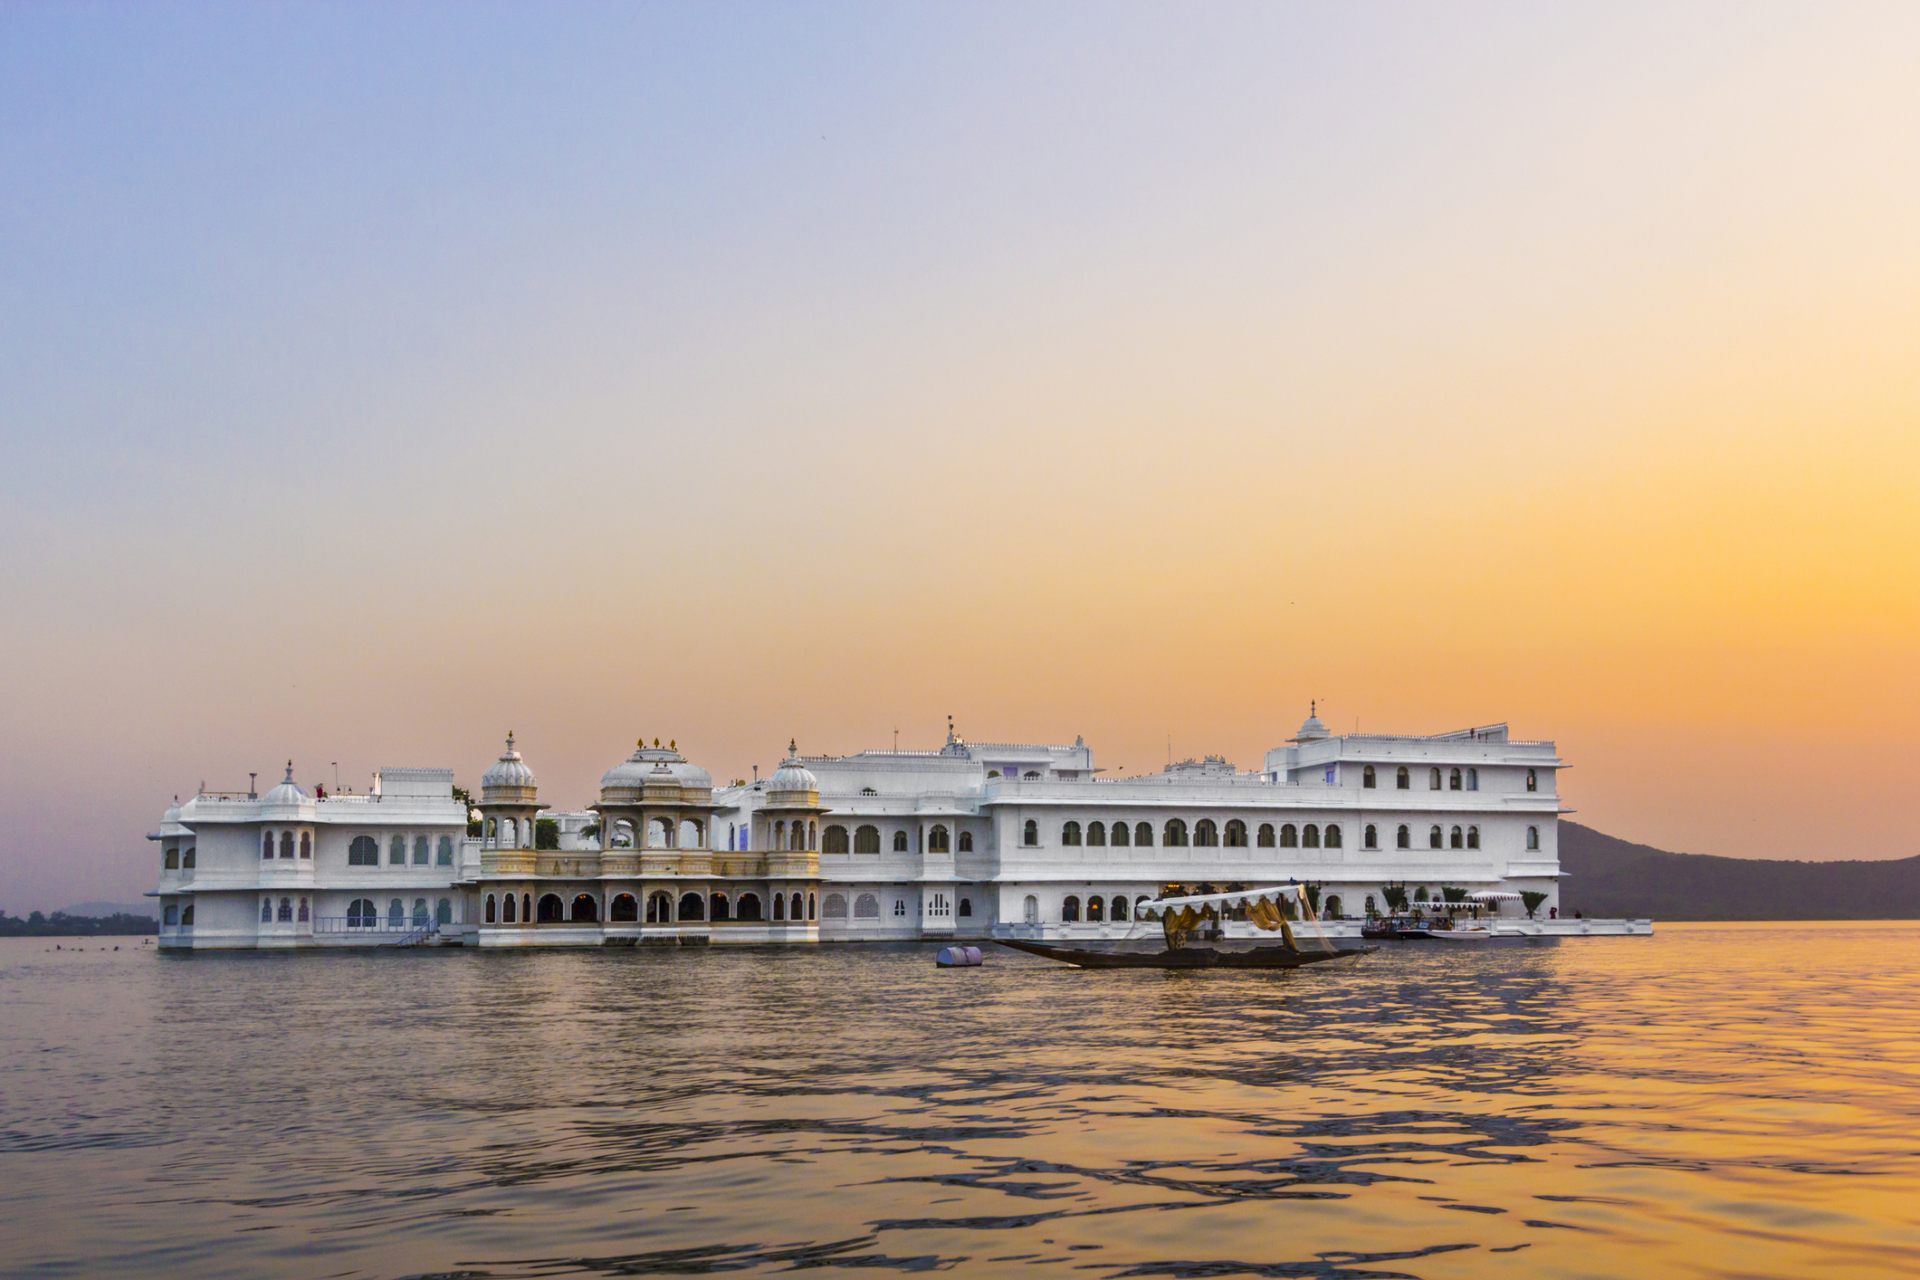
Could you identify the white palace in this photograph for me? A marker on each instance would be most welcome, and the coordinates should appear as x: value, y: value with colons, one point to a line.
x: 974, y: 840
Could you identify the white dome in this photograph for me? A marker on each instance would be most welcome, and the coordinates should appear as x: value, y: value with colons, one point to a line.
x: 509, y: 771
x: 287, y: 792
x: 655, y: 764
x: 1311, y: 727
x: 792, y: 775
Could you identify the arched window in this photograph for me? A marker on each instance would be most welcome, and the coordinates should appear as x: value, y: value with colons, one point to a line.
x: 552, y: 911
x: 1119, y: 835
x: 1139, y: 906
x: 397, y: 849
x: 1070, y: 833
x: 1310, y: 836
x: 938, y: 841
x: 836, y: 839
x: 659, y: 907
x: 396, y: 914
x: 306, y: 844
x: 1236, y: 834
x: 966, y: 842
x: 780, y: 834
x: 1533, y: 780
x: 420, y: 851
x: 625, y: 908
x: 186, y: 916
x: 526, y: 909
x: 1119, y: 909
x: 585, y: 909
x: 286, y: 911
x: 899, y: 842
x: 1030, y: 910
x: 1433, y: 838
x: 1473, y: 837
x: 1333, y: 836
x: 1205, y: 834
x: 692, y: 907
x: 1096, y: 910
x: 1265, y: 836
x: 717, y: 907
x: 170, y: 861
x: 1371, y: 908
x: 1030, y: 834
x: 692, y: 834
x: 363, y: 852
x: 1070, y: 909
x: 1403, y: 838
x: 966, y: 907
x: 866, y: 840
x: 1473, y: 779
x: 266, y: 911
x: 748, y: 908
x: 866, y: 907
x: 622, y: 835
x: 779, y: 906
x: 1097, y: 833
x: 1533, y: 838
x: 266, y: 844
x: 1143, y: 835
x: 443, y: 911
x: 836, y: 906
x: 1366, y: 777
x: 793, y: 910
x: 443, y: 856
x: 899, y: 906
x: 286, y: 844
x: 422, y: 913
x: 1176, y: 834
x: 1333, y: 907
x: 1289, y: 836
x: 1031, y: 775
x: 1400, y: 780
x: 507, y: 915
x: 1433, y: 779
x: 1457, y: 841
x: 797, y: 836
x: 1371, y: 837
x: 1453, y: 780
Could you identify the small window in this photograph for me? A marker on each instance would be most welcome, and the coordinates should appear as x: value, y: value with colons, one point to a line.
x: 1070, y: 909
x: 1453, y: 780
x: 1120, y: 835
x: 1473, y: 837
x: 966, y: 842
x: 1401, y: 781
x: 1366, y: 777
x: 1533, y: 838
x: 490, y: 912
x: 1096, y: 909
x: 1143, y: 834
x: 866, y: 840
x: 443, y: 911
x: 1266, y: 835
x: 1030, y: 834
x: 1456, y: 840
x: 1333, y: 836
x: 1533, y: 780
x: 1070, y: 834
x: 836, y: 908
x: 303, y: 911
x: 306, y: 844
x: 836, y: 841
x: 1310, y: 836
x: 286, y: 844
x: 443, y: 856
x: 1289, y: 836
x: 1118, y: 911
x: 1205, y: 834
x: 363, y: 852
x: 1433, y: 779
x: 420, y: 853
x: 1433, y: 838
x: 1176, y: 836
x: 866, y: 907
x: 1403, y: 838
x: 899, y: 842
x: 1371, y: 837
x: 966, y: 907
x: 266, y: 911
x: 1473, y: 779
x: 170, y: 861
x: 266, y: 844
x: 1236, y: 834
x: 899, y: 907
x: 939, y: 840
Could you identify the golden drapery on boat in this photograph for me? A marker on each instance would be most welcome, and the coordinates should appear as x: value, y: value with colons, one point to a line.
x: 1180, y: 923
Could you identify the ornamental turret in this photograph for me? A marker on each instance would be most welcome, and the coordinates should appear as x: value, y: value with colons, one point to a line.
x: 509, y: 802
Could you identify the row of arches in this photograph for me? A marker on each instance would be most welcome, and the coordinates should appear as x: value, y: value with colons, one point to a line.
x: 284, y: 842
x: 364, y: 851
x: 866, y: 906
x: 1467, y: 779
x: 624, y: 908
x: 866, y: 839
x: 1205, y: 834
x: 173, y: 915
x: 661, y: 833
x: 362, y: 914
x: 1098, y: 909
x: 175, y: 858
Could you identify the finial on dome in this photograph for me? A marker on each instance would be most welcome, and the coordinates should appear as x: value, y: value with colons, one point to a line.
x: 1313, y: 706
x: 656, y: 742
x: 509, y: 739
x: 673, y: 744
x: 289, y: 777
x: 793, y: 747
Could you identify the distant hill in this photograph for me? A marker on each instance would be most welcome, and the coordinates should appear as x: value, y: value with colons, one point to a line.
x: 1610, y: 878
x: 111, y: 909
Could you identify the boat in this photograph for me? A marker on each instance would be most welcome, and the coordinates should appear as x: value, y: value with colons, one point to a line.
x: 1196, y: 918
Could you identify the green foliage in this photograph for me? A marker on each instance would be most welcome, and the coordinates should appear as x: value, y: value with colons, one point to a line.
x: 590, y: 832
x: 546, y: 833
x: 1395, y: 896
x: 61, y: 925
x: 1531, y: 900
x: 1313, y: 896
x: 1453, y: 893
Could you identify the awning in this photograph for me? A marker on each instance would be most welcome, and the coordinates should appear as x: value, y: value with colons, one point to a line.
x: 1277, y: 893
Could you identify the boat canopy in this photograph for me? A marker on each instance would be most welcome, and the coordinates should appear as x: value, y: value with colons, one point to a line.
x: 1244, y: 897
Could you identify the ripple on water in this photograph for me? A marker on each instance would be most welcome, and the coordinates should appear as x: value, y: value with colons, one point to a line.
x: 1603, y: 1107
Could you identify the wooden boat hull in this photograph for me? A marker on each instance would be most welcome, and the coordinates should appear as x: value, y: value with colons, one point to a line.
x: 1184, y: 958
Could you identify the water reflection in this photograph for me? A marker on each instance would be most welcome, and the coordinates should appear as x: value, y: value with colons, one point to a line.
x: 1689, y: 1104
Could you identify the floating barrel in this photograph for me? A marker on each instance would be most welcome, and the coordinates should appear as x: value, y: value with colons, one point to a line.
x: 958, y: 957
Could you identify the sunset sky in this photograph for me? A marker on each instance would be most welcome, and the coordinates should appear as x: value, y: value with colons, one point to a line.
x: 376, y: 379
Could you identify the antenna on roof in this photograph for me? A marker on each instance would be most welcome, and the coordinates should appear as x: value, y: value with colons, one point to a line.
x: 896, y: 740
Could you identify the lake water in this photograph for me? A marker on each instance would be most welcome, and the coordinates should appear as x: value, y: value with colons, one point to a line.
x: 1720, y: 1100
